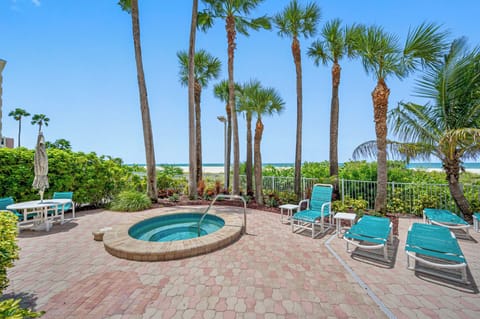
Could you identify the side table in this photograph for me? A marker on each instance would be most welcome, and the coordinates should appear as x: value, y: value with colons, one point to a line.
x: 289, y: 208
x: 344, y: 216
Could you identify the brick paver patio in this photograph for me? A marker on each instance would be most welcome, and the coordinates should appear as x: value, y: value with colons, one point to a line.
x: 268, y: 273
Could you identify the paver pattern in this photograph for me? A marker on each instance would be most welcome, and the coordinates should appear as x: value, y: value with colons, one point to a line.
x: 268, y: 273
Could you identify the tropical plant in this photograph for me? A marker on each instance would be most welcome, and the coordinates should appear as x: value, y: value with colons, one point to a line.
x: 130, y: 201
x: 383, y: 56
x: 336, y: 43
x: 40, y: 119
x: 260, y: 102
x: 221, y: 91
x: 17, y: 115
x: 235, y: 13
x: 192, y: 156
x: 207, y: 67
x: 449, y: 126
x: 131, y: 7
x: 246, y: 109
x: 61, y: 144
x: 293, y: 22
x: 10, y: 308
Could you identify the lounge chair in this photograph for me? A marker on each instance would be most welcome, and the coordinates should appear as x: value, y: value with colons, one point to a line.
x: 476, y: 220
x: 4, y: 202
x: 437, y: 247
x: 317, y: 211
x: 369, y: 233
x: 66, y: 207
x: 445, y: 218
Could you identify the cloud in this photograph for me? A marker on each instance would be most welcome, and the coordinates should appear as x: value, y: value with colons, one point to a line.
x: 36, y: 2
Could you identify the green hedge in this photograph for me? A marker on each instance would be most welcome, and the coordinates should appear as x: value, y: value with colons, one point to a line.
x: 93, y: 179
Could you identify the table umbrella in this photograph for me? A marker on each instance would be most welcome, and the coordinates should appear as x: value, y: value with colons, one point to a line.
x: 41, y: 166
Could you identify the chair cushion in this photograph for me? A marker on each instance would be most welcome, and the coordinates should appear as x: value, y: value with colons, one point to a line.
x: 309, y: 215
x: 443, y: 216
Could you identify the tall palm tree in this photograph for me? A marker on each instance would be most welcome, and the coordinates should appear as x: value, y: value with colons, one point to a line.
x: 207, y: 67
x: 221, y: 91
x: 17, y: 115
x: 2, y: 65
x: 383, y: 56
x: 336, y: 43
x: 260, y: 102
x: 244, y: 107
x: 40, y: 119
x: 131, y: 6
x: 235, y: 13
x: 192, y: 168
x: 293, y: 22
x: 448, y: 127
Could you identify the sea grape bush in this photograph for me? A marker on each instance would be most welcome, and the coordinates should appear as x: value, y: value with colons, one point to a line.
x: 93, y: 179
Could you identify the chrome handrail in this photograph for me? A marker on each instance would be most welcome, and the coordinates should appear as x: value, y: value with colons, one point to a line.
x: 229, y: 197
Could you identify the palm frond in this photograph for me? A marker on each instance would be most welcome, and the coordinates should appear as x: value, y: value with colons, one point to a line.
x: 318, y: 52
x: 395, y: 150
x: 424, y: 46
x: 296, y: 20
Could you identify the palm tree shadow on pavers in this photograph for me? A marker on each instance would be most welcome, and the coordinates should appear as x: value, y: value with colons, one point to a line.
x: 375, y: 257
x: 28, y: 300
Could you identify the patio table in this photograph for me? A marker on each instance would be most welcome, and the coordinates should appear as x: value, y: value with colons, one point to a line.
x: 40, y: 208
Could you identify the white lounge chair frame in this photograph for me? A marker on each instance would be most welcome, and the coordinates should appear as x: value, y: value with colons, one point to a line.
x: 427, y: 220
x: 460, y: 266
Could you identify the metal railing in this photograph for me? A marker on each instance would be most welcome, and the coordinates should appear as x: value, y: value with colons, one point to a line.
x: 405, y: 196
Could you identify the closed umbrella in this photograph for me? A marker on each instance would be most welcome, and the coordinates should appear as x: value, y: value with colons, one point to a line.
x: 41, y: 166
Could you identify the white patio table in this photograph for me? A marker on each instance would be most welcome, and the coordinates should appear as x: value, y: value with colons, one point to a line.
x: 41, y: 208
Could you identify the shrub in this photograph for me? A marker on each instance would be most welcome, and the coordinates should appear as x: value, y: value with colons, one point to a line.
x: 358, y: 205
x: 92, y: 179
x: 10, y: 308
x: 130, y: 201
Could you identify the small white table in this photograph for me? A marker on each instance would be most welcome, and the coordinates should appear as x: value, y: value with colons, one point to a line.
x: 289, y: 208
x: 344, y: 216
x: 41, y: 209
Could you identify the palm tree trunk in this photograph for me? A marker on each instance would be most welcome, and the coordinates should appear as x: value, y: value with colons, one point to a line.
x: 231, y: 34
x: 198, y: 131
x: 298, y: 147
x: 19, y: 130
x: 380, y: 107
x: 248, y: 166
x: 229, y: 148
x: 258, y: 161
x: 145, y: 110
x: 192, y: 181
x: 334, y: 110
x: 452, y: 169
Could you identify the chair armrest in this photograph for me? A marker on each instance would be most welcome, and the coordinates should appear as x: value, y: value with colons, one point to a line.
x: 324, y: 206
x: 307, y: 201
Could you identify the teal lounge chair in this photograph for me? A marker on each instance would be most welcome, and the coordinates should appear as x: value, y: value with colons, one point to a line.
x: 317, y: 212
x: 4, y: 202
x: 369, y: 233
x: 440, y: 246
x: 444, y: 218
x: 476, y: 220
x: 67, y: 207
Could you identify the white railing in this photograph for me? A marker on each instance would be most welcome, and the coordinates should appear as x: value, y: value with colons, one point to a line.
x: 409, y: 196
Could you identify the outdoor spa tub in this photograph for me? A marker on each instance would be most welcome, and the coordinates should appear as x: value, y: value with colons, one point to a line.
x: 173, y: 236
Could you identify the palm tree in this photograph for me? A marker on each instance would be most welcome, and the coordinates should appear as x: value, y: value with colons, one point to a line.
x: 192, y: 168
x: 40, y: 119
x: 221, y: 92
x: 259, y: 101
x: 2, y: 65
x: 244, y: 107
x: 295, y: 21
x: 235, y: 13
x: 383, y: 56
x: 131, y: 6
x: 207, y: 67
x: 17, y: 115
x: 449, y: 126
x: 336, y: 43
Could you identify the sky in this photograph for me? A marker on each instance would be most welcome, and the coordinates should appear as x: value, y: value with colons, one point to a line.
x: 74, y: 62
